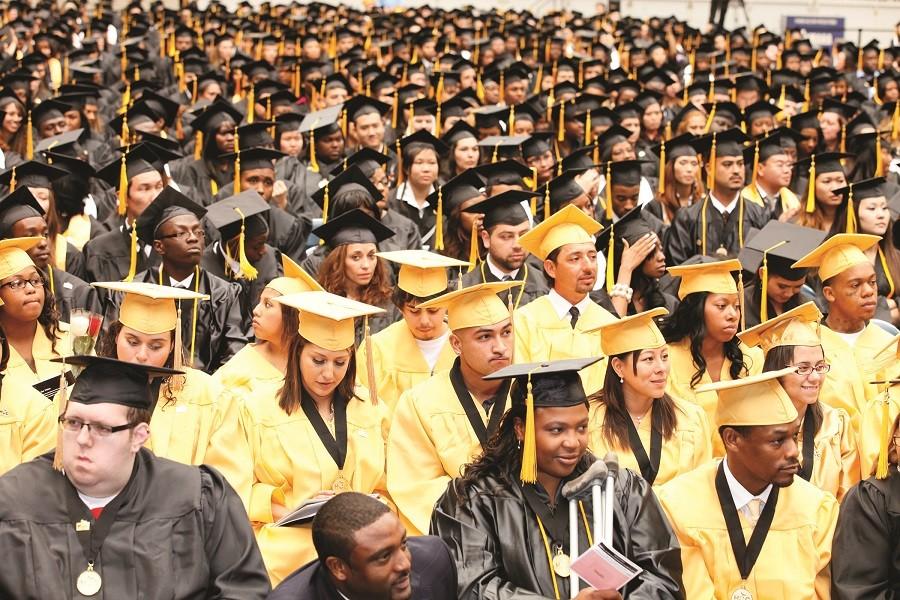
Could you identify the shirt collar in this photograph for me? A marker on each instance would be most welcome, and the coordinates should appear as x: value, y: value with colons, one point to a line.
x: 562, y: 306
x: 184, y: 283
x: 408, y: 197
x: 497, y: 272
x: 721, y: 207
x: 739, y: 493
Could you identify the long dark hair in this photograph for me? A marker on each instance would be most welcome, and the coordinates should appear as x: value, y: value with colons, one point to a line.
x: 293, y: 391
x: 16, y: 143
x: 615, y: 423
x: 780, y: 357
x: 332, y: 277
x: 688, y: 322
x: 647, y: 286
x: 501, y: 457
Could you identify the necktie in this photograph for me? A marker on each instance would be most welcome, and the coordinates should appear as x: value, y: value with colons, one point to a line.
x: 507, y: 278
x: 754, y: 508
x: 575, y: 314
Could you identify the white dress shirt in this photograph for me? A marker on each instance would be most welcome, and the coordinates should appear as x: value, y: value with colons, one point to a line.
x: 562, y: 306
x: 740, y: 495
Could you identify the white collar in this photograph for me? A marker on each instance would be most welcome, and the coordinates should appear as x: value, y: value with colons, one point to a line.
x: 410, y: 198
x: 562, y: 306
x: 721, y: 207
x: 184, y: 283
x: 764, y: 194
x: 496, y: 270
x: 739, y: 493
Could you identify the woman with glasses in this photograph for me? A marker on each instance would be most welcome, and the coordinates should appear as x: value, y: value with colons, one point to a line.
x: 28, y: 315
x: 827, y: 443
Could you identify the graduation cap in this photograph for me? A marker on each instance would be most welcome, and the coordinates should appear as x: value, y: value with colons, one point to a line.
x: 503, y: 146
x: 474, y: 306
x: 755, y: 400
x: 631, y: 227
x: 818, y: 164
x: 763, y: 148
x: 460, y: 131
x: 839, y: 253
x: 353, y: 227
x: 551, y: 384
x: 448, y: 197
x: 712, y: 276
x: 422, y: 273
x: 170, y: 203
x: 322, y: 123
x: 610, y: 138
x: 632, y: 333
x: 857, y: 191
x: 367, y: 160
x: 15, y: 206
x: 567, y: 226
x: 359, y: 106
x: 294, y: 280
x: 351, y: 178
x: 239, y: 217
x: 796, y: 327
x: 729, y: 109
x: 537, y: 144
x: 712, y: 146
x: 328, y: 320
x: 135, y: 161
x: 48, y: 109
x: 759, y: 110
x: 505, y: 172
x: 31, y: 174
x: 504, y: 208
x: 839, y: 108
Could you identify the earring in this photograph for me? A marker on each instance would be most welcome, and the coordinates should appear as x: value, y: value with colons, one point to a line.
x: 519, y: 444
x: 621, y: 380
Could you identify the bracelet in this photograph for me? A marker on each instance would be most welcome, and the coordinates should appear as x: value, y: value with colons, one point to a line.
x: 621, y: 290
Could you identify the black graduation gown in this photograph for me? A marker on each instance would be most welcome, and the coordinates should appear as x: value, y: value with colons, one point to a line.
x: 685, y: 237
x: 530, y: 272
x: 866, y: 560
x: 108, y: 256
x: 268, y: 268
x: 307, y: 182
x: 182, y: 533
x: 423, y: 218
x: 220, y: 330
x: 197, y: 176
x: 432, y: 575
x: 494, y: 539
x: 75, y: 261
x: 753, y: 299
x: 406, y: 234
x: 70, y: 292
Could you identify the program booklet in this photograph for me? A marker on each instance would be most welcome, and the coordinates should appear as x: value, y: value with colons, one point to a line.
x: 604, y: 568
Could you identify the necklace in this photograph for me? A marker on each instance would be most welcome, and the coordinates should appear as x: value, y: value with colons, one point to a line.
x: 637, y: 419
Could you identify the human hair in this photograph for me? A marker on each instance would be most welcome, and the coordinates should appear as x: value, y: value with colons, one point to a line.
x: 864, y: 162
x: 336, y: 523
x: 448, y: 166
x: 457, y: 239
x: 670, y: 204
x: 349, y: 199
x: 16, y: 142
x: 687, y: 321
x: 616, y: 422
x: 331, y: 276
x: 138, y: 415
x: 554, y: 254
x: 401, y: 298
x: 49, y: 317
x: 780, y: 357
x: 293, y: 392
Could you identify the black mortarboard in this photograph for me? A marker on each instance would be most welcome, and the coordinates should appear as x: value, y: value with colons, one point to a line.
x: 366, y: 159
x: 561, y: 190
x: 460, y: 131
x: 168, y: 204
x: 353, y: 227
x: 465, y: 186
x: 18, y: 205
x: 504, y: 208
x: 107, y: 380
x: 538, y: 144
x: 423, y: 137
x: 72, y: 165
x: 255, y: 158
x: 676, y: 147
x: 835, y: 106
x: 31, y: 174
x: 241, y: 213
x: 826, y: 162
x: 254, y: 135
x: 806, y: 120
x: 139, y: 159
x: 214, y: 115
x: 800, y: 241
x: 48, y: 109
x: 508, y: 172
x: 359, y: 106
x: 729, y: 109
x: 320, y: 120
x: 728, y: 143
x: 868, y: 188
x: 624, y: 172
x: 552, y: 383
x: 630, y: 227
x: 759, y: 110
x: 350, y: 178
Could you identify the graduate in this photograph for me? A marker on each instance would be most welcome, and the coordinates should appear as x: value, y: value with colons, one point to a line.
x: 828, y: 444
x: 721, y: 224
x: 556, y: 326
x: 444, y: 422
x: 506, y: 521
x: 752, y: 494
x: 214, y: 139
x: 770, y: 174
x: 93, y: 516
x: 702, y: 335
x: 849, y: 338
x: 882, y: 410
x: 418, y: 346
x: 651, y: 432
x: 504, y: 222
x: 321, y: 436
x: 195, y: 420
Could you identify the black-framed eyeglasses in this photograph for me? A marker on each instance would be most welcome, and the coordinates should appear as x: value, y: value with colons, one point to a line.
x: 184, y: 234
x: 820, y: 369
x: 18, y: 284
x: 73, y: 425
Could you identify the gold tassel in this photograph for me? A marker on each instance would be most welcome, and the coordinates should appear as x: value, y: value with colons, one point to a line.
x: 709, y: 119
x: 12, y: 180
x: 313, y: 163
x: 247, y: 269
x: 843, y: 137
x: 251, y: 103
x: 741, y: 299
x: 512, y: 120
x: 546, y: 200
x: 528, y: 473
x: 711, y: 169
x: 178, y: 358
x: 755, y: 163
x: 325, y: 204
x: 764, y: 283
x: 811, y: 192
x: 237, y: 173
x: 123, y: 185
x: 851, y: 214
x: 587, y: 129
x: 608, y: 198
x: 561, y: 126
x: 881, y: 471
x: 132, y: 263
x: 662, y: 167
x: 439, y: 221
x: 473, y: 247
x: 879, y: 161
x: 29, y: 139
x: 399, y: 163
x: 198, y: 145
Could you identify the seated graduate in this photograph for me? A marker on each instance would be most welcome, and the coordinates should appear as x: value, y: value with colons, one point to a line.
x: 653, y: 433
x: 828, y: 441
x: 506, y: 521
x: 748, y: 527
x: 97, y: 515
x: 364, y: 554
x: 865, y: 563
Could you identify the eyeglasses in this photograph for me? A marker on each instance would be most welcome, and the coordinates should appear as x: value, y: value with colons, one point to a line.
x: 18, y: 284
x: 73, y: 425
x: 184, y: 234
x: 820, y: 369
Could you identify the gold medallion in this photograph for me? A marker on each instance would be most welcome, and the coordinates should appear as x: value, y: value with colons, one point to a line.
x: 89, y: 582
x: 562, y: 564
x: 340, y: 484
x: 722, y: 251
x: 741, y: 594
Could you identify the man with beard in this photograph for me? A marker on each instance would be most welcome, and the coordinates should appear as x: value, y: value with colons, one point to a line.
x: 505, y: 221
x: 364, y: 554
x: 724, y: 220
x: 748, y: 527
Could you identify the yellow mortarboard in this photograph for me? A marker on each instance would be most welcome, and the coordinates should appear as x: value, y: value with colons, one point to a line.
x: 755, y: 400
x: 838, y: 253
x: 14, y: 256
x: 147, y: 307
x: 327, y: 320
x: 796, y: 327
x: 568, y: 226
x: 294, y: 280
x: 634, y: 332
x: 422, y: 273
x: 713, y: 277
x: 475, y: 306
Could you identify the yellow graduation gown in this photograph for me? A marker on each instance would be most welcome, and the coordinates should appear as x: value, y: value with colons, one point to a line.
x: 27, y: 423
x: 78, y: 233
x: 794, y: 559
x: 42, y: 352
x: 683, y: 369
x: 847, y: 384
x: 398, y: 362
x: 542, y: 335
x: 248, y: 373
x: 870, y: 427
x: 291, y: 465
x: 835, y: 457
x: 689, y: 447
x: 198, y: 422
x: 789, y: 200
x: 430, y: 441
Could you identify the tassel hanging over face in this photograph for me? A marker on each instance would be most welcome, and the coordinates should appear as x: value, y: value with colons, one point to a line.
x: 123, y: 185
x: 132, y: 264
x: 313, y: 163
x: 811, y: 192
x: 528, y: 473
x: 247, y: 270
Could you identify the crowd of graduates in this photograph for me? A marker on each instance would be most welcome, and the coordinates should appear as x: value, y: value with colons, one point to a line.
x: 359, y: 234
